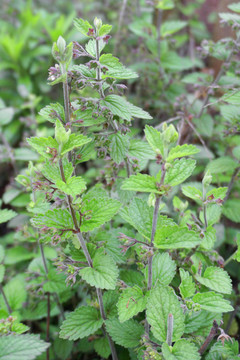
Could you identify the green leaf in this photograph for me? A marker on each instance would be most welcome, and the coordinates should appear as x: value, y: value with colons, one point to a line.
x: 222, y: 165
x: 181, y: 350
x: 19, y: 328
x: 57, y: 218
x: 6, y: 215
x: 21, y: 347
x: 122, y: 108
x: 181, y: 151
x: 235, y: 7
x: 127, y: 334
x: 104, y: 272
x: 199, y: 322
x: 42, y: 145
x: 165, y: 4
x: 56, y: 282
x: 141, y: 150
x: 102, y: 347
x: 82, y: 26
x: 15, y: 293
x: 6, y: 115
x: 104, y: 30
x: 179, y: 172
x: 216, y: 279
x: 141, y: 182
x: 116, y: 69
x: 130, y: 303
x: 73, y: 186
x: 118, y: 147
x: 98, y: 212
x: 212, y: 302
x: 192, y: 193
x: 2, y: 253
x: 2, y: 272
x: 171, y: 27
x: 75, y: 141
x: 62, y: 348
x: 218, y: 193
x: 232, y: 18
x: 162, y: 302
x: 52, y: 172
x: 154, y: 138
x: 187, y: 286
x: 213, y: 214
x: 176, y: 237
x: 82, y: 322
x: 52, y: 112
x: 163, y: 269
x: 231, y: 210
x: 228, y: 350
x: 209, y: 238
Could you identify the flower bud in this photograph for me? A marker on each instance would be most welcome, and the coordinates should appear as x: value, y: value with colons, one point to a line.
x: 97, y: 23
x: 170, y: 135
x: 207, y: 179
x: 61, y: 44
x: 61, y: 135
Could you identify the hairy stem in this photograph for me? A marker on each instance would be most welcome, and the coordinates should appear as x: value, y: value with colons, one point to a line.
x: 5, y: 299
x: 88, y: 258
x: 99, y: 76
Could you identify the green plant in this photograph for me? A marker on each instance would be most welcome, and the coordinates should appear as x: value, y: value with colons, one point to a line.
x: 146, y: 280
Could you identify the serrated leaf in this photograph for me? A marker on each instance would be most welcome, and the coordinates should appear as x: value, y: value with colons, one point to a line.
x: 199, y: 322
x: 63, y: 348
x: 118, y: 147
x: 176, y: 237
x: 102, y: 347
x: 187, y: 286
x: 116, y: 69
x: 171, y: 27
x: 98, y: 212
x: 73, y: 186
x: 179, y: 172
x: 141, y: 150
x: 213, y: 214
x: 51, y: 171
x: 216, y: 279
x: 192, y: 193
x: 75, y: 141
x: 181, y: 151
x: 181, y: 350
x: 91, y: 46
x: 209, y: 238
x: 41, y: 145
x: 55, y: 282
x: 82, y: 322
x: 21, y: 347
x: 141, y: 183
x: 213, y: 302
x: 15, y: 293
x: 221, y: 165
x: 127, y: 334
x: 162, y: 302
x: 57, y: 218
x: 82, y: 26
x: 104, y: 30
x: 130, y: 303
x: 103, y: 274
x: 231, y: 210
x: 6, y: 215
x: 154, y: 138
x: 228, y: 350
x: 163, y: 269
x: 52, y: 112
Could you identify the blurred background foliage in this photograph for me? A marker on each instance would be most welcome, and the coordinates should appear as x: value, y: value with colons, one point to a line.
x: 159, y: 39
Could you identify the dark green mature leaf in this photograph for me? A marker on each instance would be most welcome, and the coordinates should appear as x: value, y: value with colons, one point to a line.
x: 211, y: 301
x: 118, y: 147
x: 127, y: 334
x: 176, y: 237
x: 104, y: 272
x: 171, y: 27
x: 21, y: 347
x: 130, y: 303
x: 116, y: 69
x: 102, y: 347
x: 231, y: 210
x: 216, y: 279
x: 162, y: 302
x: 15, y: 292
x: 98, y: 212
x: 179, y: 172
x: 199, y: 322
x: 141, y: 182
x: 57, y: 218
x: 181, y: 350
x: 163, y: 269
x: 82, y: 322
x: 221, y: 165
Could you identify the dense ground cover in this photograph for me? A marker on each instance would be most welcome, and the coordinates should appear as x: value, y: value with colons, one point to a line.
x: 120, y: 181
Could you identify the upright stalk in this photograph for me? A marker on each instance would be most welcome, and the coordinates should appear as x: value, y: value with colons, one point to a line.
x: 5, y: 299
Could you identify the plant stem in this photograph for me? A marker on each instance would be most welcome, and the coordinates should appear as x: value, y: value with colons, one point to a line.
x: 89, y: 260
x: 212, y: 334
x: 230, y: 258
x: 48, y: 323
x: 230, y: 185
x: 99, y: 77
x: 5, y: 299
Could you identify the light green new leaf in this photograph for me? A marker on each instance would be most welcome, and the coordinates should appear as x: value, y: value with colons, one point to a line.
x: 141, y: 150
x: 75, y: 141
x: 154, y: 138
x: 235, y: 7
x: 116, y: 69
x: 212, y: 302
x: 192, y: 193
x: 181, y: 151
x: 187, y: 286
x: 104, y: 30
x: 163, y: 269
x: 127, y: 334
x: 179, y: 172
x: 82, y: 322
x: 98, y: 211
x: 21, y: 347
x: 213, y: 214
x: 118, y: 147
x: 73, y: 186
x: 82, y: 26
x: 130, y: 303
x: 181, y: 350
x: 56, y: 282
x: 141, y: 182
x: 139, y: 113
x: 162, y: 302
x: 209, y: 238
x: 171, y: 27
x: 176, y: 237
x: 103, y: 274
x: 6, y: 215
x: 57, y: 218
x: 218, y: 193
x: 42, y: 145
x: 216, y: 279
x: 52, y: 112
x: 51, y: 170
